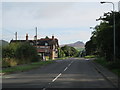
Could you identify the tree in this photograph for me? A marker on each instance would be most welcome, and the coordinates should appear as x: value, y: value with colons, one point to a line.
x: 61, y: 53
x: 19, y: 53
x: 102, y: 38
x: 69, y: 51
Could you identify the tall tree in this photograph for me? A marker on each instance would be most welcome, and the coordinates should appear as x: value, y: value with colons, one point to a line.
x: 102, y: 38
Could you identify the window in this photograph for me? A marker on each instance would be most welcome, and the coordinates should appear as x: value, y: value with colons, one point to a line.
x: 31, y: 43
x: 46, y: 44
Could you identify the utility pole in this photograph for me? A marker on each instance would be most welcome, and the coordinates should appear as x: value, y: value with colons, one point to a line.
x: 119, y: 6
x: 36, y: 36
x: 15, y: 35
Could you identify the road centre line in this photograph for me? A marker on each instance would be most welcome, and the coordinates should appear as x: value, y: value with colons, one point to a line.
x: 56, y: 77
x: 65, y: 68
x: 61, y: 73
x: 70, y: 63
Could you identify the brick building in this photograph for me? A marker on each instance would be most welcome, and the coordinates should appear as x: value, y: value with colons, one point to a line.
x: 46, y: 47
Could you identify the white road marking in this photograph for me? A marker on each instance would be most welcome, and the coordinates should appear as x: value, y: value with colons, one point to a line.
x: 56, y: 77
x: 69, y: 65
x: 65, y: 68
x: 61, y: 73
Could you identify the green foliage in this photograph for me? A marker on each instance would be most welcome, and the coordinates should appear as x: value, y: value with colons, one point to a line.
x: 61, y: 53
x: 111, y: 65
x: 101, y: 41
x: 26, y: 52
x: 18, y: 53
x: 69, y: 51
x: 90, y: 56
x: 46, y: 37
x: 90, y: 48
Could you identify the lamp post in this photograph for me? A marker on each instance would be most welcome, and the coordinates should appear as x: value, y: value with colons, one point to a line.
x: 113, y: 27
x: 119, y: 6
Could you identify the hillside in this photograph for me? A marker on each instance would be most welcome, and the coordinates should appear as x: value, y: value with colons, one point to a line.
x: 78, y: 45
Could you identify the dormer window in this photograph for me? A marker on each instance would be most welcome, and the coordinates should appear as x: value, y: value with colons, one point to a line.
x: 46, y: 44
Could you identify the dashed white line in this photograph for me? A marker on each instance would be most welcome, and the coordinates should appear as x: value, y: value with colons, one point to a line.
x: 65, y: 68
x: 69, y: 65
x: 56, y: 77
x: 61, y: 73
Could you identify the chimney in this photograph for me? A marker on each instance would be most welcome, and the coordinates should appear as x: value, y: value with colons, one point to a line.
x: 52, y: 36
x: 26, y: 36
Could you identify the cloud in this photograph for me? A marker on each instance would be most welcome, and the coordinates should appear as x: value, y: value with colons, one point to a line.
x: 70, y: 37
x: 68, y: 21
x: 47, y: 15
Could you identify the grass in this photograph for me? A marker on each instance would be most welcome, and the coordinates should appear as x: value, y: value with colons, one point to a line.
x: 21, y: 68
x: 61, y: 58
x: 90, y: 56
x: 112, y: 66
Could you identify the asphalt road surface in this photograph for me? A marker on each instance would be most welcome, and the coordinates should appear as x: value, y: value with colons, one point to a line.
x: 70, y: 73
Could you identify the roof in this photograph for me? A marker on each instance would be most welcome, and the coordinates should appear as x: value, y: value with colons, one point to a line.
x: 40, y: 42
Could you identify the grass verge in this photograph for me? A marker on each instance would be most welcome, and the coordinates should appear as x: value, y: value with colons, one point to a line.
x: 21, y: 68
x: 112, y: 66
x: 90, y: 56
x: 61, y: 58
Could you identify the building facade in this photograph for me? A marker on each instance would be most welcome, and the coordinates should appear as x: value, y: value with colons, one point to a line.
x: 47, y: 48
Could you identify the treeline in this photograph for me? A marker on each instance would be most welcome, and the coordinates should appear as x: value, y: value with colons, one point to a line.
x: 101, y: 41
x: 18, y: 53
x: 67, y: 51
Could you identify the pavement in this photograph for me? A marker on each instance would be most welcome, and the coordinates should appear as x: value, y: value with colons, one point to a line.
x: 70, y: 73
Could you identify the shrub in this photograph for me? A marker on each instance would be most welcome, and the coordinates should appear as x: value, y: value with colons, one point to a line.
x: 18, y: 53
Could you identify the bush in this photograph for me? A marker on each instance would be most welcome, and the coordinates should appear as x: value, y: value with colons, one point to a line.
x: 69, y: 51
x: 26, y: 52
x: 18, y: 53
x: 61, y: 53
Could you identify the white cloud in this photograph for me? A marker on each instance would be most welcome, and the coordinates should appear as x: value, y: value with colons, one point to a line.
x: 23, y: 17
x: 60, y: 15
x: 70, y: 37
x: 57, y: 0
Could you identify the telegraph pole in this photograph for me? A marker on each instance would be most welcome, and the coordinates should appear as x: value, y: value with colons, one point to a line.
x: 15, y: 35
x: 36, y: 35
x: 119, y: 6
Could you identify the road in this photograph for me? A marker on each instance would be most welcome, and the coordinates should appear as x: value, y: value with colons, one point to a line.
x: 70, y: 73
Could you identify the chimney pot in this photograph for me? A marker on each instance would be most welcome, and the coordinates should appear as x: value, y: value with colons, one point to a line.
x: 52, y: 36
x: 26, y: 36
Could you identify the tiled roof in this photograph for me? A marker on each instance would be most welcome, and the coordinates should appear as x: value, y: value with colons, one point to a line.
x: 40, y: 42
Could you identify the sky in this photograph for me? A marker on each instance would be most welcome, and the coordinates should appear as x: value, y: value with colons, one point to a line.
x: 67, y: 21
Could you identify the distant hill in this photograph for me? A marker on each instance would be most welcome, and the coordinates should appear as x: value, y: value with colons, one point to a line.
x: 78, y: 45
x: 3, y: 43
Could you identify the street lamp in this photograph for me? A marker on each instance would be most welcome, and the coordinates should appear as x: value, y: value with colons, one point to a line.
x: 119, y: 6
x: 113, y: 26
